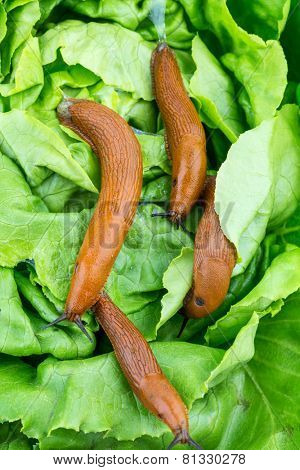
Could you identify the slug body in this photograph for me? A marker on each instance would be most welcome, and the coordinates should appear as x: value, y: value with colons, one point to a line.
x: 185, y: 136
x: 141, y: 369
x: 214, y: 260
x: 119, y: 153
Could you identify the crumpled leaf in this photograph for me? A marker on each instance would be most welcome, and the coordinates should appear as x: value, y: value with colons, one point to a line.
x: 281, y: 279
x: 11, y: 437
x: 99, y: 382
x: 214, y: 90
x: 45, y: 151
x: 22, y: 332
x: 289, y: 41
x: 260, y: 399
x: 129, y: 54
x: 264, y: 18
x: 259, y: 66
x: 258, y: 184
x: 21, y: 17
x: 177, y: 280
x: 27, y: 77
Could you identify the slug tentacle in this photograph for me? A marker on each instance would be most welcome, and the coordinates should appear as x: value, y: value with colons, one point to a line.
x: 82, y: 328
x: 56, y: 321
x: 77, y: 321
x: 186, y: 439
x: 184, y: 133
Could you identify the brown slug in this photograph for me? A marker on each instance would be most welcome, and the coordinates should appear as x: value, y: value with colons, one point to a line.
x: 142, y: 371
x: 184, y: 134
x: 119, y: 154
x: 214, y: 260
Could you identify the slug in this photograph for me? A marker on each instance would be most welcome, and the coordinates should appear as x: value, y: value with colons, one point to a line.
x: 214, y: 260
x: 119, y: 153
x: 142, y: 371
x: 184, y: 134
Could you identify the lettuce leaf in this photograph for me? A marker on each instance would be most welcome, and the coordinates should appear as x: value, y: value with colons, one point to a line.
x: 11, y: 437
x: 259, y: 66
x: 280, y: 280
x: 264, y: 18
x: 22, y: 332
x: 129, y: 54
x: 45, y: 151
x: 21, y: 17
x: 249, y: 396
x: 290, y: 41
x: 27, y: 77
x: 239, y: 379
x: 98, y: 377
x: 258, y: 184
x: 128, y: 14
x: 214, y: 90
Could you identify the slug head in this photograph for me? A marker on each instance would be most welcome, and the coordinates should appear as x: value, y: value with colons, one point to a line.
x: 160, y: 397
x: 211, y: 283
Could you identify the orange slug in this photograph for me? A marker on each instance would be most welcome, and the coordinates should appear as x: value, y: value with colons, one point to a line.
x: 142, y: 371
x: 119, y: 153
x: 184, y: 134
x: 214, y: 260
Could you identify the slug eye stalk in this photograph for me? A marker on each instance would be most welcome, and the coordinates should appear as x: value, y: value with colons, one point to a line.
x: 77, y: 321
x: 162, y: 214
x: 173, y: 216
x: 82, y: 328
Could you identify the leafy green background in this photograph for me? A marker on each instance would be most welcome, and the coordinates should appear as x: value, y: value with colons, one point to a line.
x: 237, y: 370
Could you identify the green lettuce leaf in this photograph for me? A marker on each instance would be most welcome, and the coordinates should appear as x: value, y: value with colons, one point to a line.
x: 214, y: 90
x: 289, y: 232
x: 259, y: 66
x: 129, y: 53
x: 258, y: 184
x: 280, y: 280
x: 45, y: 151
x: 3, y: 27
x: 21, y: 17
x: 27, y: 77
x: 290, y: 41
x: 11, y: 437
x: 90, y: 379
x: 260, y: 399
x: 22, y: 332
x: 174, y: 26
x: 264, y: 18
x: 128, y: 14
x: 196, y: 14
x: 177, y: 280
